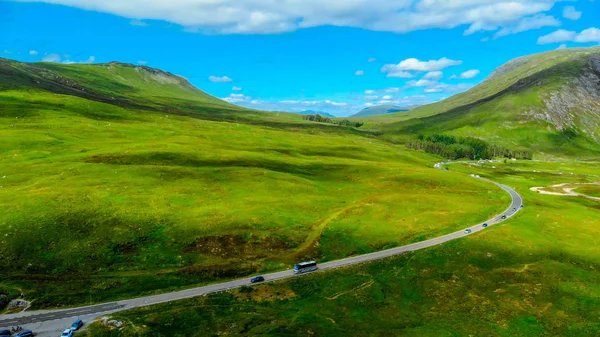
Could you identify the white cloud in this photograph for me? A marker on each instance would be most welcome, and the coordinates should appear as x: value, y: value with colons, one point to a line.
x: 412, y: 64
x: 386, y: 97
x: 219, y: 79
x: 371, y: 60
x: 236, y: 88
x: 314, y: 103
x: 400, y: 74
x: 469, y: 74
x: 419, y: 83
x: 390, y: 90
x: 529, y: 23
x: 138, y: 23
x: 237, y: 98
x: 562, y: 46
x: 369, y: 92
x: 447, y: 88
x: 588, y: 35
x: 569, y: 12
x: 369, y: 104
x: 453, y: 77
x: 33, y: 52
x: 51, y: 58
x: 359, y: 73
x: 267, y: 16
x: 560, y: 35
x: 434, y: 75
x: 371, y: 97
x: 89, y: 60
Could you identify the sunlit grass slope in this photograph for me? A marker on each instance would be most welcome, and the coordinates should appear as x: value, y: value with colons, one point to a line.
x: 107, y: 199
x: 534, y: 275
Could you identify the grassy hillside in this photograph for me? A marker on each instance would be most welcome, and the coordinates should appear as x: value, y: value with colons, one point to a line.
x: 534, y: 275
x: 548, y: 103
x: 164, y: 187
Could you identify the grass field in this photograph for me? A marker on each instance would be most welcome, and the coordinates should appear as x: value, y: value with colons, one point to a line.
x: 534, y: 275
x: 106, y: 201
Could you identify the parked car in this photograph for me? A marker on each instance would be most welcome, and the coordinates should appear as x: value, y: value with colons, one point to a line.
x: 503, y: 217
x: 4, y: 333
x: 257, y: 279
x: 25, y: 333
x: 77, y: 325
x: 468, y: 230
x: 484, y: 225
x: 522, y: 205
x: 67, y: 333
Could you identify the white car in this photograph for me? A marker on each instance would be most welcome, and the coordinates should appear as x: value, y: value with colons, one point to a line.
x: 468, y: 231
x: 67, y: 333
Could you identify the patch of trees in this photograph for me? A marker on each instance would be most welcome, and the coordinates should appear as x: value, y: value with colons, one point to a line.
x: 451, y: 147
x: 322, y: 119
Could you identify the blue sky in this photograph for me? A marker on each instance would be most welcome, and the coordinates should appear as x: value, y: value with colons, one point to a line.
x: 337, y: 56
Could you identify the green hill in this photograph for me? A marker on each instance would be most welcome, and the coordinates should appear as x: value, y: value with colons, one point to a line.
x: 118, y: 181
x: 548, y: 103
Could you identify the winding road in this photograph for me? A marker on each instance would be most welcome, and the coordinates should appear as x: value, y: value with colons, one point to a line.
x: 52, y: 320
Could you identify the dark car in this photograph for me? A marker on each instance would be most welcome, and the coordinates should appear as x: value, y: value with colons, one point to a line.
x: 257, y: 279
x: 522, y: 205
x: 484, y: 225
x: 503, y: 217
x: 25, y: 333
x: 76, y: 325
x: 4, y: 333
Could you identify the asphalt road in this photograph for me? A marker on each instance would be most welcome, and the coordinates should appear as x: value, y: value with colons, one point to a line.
x: 62, y: 316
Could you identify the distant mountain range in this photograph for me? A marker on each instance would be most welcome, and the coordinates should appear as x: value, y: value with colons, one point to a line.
x: 313, y: 112
x: 380, y: 110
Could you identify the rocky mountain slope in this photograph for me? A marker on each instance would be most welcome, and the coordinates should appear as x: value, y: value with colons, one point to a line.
x: 549, y: 103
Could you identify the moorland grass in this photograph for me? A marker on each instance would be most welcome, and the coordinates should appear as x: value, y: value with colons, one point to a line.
x: 103, y: 201
x: 534, y: 275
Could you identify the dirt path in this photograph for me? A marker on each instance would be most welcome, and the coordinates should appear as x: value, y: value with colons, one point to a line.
x: 565, y: 189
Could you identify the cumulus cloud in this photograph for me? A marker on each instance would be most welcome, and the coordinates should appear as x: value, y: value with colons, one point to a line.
x: 33, y: 52
x: 469, y: 74
x: 419, y: 83
x: 219, y: 79
x: 400, y: 74
x: 447, y: 88
x: 434, y: 75
x: 265, y: 16
x: 89, y: 60
x: 314, y: 103
x: 237, y: 98
x: 413, y: 64
x: 529, y: 23
x: 51, y: 58
x: 369, y: 92
x: 138, y: 23
x: 236, y: 88
x: 359, y: 73
x: 569, y: 12
x: 588, y: 35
